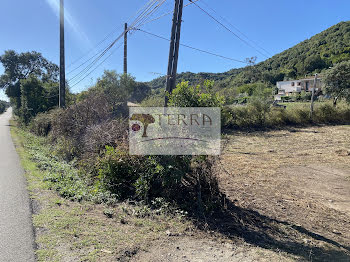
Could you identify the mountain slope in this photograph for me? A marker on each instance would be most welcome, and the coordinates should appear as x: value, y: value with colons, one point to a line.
x: 312, y: 55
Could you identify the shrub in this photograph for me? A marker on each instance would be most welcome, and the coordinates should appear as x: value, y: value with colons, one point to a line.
x: 3, y: 106
x: 236, y: 117
x: 108, y: 133
x: 195, y: 96
x: 41, y: 125
x: 72, y: 123
x: 183, y: 180
x: 328, y: 114
x: 142, y: 177
x: 278, y: 117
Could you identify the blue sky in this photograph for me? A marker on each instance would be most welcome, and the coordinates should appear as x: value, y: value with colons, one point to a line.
x: 274, y: 25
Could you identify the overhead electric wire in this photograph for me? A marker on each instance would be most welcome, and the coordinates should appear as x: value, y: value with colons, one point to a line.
x: 194, y: 48
x: 143, y: 19
x: 103, y: 52
x: 97, y: 66
x: 109, y: 34
x: 149, y: 10
x: 229, y: 23
x: 228, y: 29
x: 163, y: 15
x: 86, y: 69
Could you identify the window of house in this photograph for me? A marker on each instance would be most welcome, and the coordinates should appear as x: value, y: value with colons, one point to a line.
x: 292, y: 84
x: 299, y: 83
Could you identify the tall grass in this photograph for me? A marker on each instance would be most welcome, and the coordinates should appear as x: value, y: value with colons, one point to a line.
x: 296, y: 114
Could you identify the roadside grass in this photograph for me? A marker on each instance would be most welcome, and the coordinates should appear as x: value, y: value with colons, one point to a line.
x: 71, y: 226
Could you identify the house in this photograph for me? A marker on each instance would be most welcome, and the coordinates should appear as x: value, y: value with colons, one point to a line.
x: 288, y: 88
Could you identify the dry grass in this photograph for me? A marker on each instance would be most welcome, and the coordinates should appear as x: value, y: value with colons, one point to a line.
x: 72, y: 231
x: 298, y: 177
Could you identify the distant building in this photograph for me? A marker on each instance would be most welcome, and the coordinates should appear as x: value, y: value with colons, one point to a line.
x: 288, y: 88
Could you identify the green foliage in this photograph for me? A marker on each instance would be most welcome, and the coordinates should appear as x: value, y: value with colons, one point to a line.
x: 18, y: 67
x: 337, y: 81
x: 195, y: 96
x: 118, y: 87
x: 296, y: 114
x: 41, y: 125
x: 3, y: 106
x: 312, y: 55
x: 156, y: 100
x: 138, y: 177
x: 33, y: 98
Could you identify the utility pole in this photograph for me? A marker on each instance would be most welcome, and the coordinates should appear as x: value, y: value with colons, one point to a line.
x: 62, y: 88
x: 313, y: 97
x: 126, y: 49
x: 174, y: 48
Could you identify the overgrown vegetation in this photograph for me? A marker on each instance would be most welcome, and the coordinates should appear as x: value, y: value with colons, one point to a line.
x: 314, y: 55
x: 337, y: 81
x: 73, y: 224
x: 260, y: 114
x: 31, y: 83
x: 3, y: 106
x: 92, y: 135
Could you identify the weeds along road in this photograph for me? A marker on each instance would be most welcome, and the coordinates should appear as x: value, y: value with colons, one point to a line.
x: 16, y: 230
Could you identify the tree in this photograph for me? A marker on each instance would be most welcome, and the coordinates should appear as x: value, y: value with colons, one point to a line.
x: 314, y: 62
x: 140, y: 92
x: 33, y: 98
x: 21, y: 66
x: 195, y: 96
x: 337, y: 81
x: 3, y: 106
x: 117, y: 87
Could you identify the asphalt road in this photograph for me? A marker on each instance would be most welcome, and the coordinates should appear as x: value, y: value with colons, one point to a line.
x: 16, y: 229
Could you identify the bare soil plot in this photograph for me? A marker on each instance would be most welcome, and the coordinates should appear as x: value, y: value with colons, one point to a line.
x: 287, y: 197
x: 298, y: 183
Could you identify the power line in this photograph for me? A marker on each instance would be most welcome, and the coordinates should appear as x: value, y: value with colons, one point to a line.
x: 97, y: 66
x: 155, y: 4
x: 163, y: 15
x: 86, y: 69
x: 228, y: 29
x: 109, y: 34
x: 228, y: 22
x: 193, y: 48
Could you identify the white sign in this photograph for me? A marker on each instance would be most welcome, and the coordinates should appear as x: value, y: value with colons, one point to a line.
x: 174, y: 131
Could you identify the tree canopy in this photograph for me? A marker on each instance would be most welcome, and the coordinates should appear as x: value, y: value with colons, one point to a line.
x: 21, y: 66
x: 337, y: 81
x: 313, y: 55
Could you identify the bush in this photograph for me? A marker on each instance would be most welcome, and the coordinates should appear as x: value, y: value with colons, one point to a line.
x: 141, y: 177
x: 3, y: 106
x: 73, y: 122
x: 180, y: 179
x: 41, y: 125
x: 327, y: 114
x: 183, y: 180
x: 297, y: 114
x: 108, y: 133
x: 236, y: 117
x: 195, y: 96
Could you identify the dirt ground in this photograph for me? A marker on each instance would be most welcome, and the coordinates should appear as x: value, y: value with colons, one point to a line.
x: 288, y: 199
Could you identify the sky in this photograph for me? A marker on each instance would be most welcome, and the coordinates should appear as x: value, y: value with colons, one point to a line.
x: 274, y: 25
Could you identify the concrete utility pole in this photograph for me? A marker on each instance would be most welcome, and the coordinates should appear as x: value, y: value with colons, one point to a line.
x: 62, y: 89
x: 313, y: 97
x: 126, y: 49
x: 174, y: 48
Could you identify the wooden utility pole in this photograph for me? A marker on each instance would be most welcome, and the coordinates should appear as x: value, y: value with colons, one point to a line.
x: 62, y: 88
x: 313, y: 98
x: 174, y: 48
x: 126, y: 49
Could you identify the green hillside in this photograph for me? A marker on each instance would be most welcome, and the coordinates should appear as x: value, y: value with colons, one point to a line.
x: 310, y: 56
